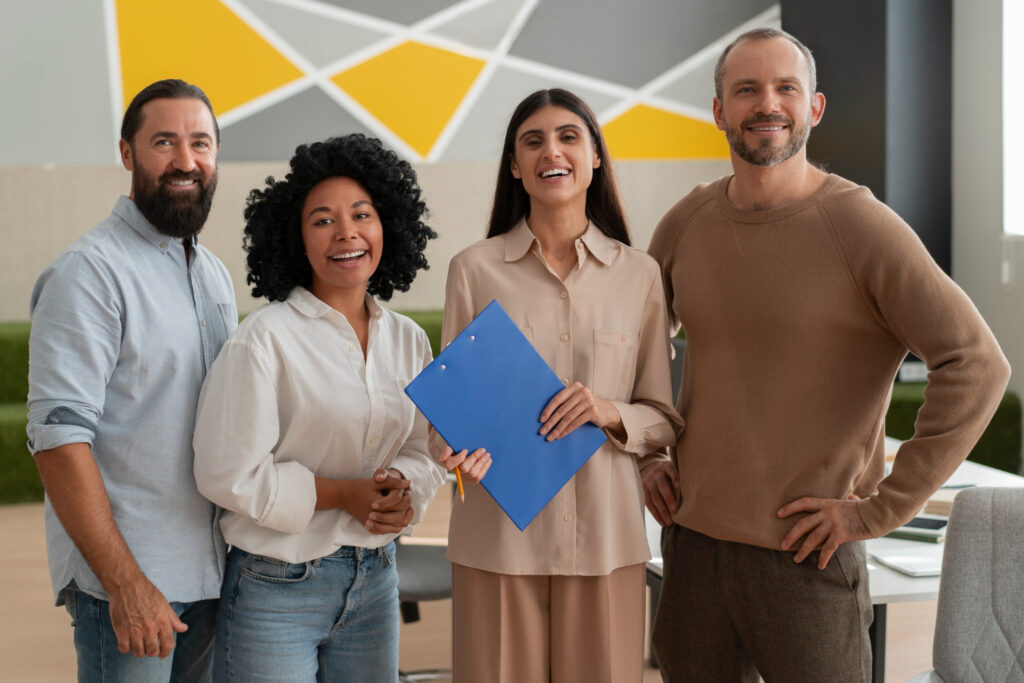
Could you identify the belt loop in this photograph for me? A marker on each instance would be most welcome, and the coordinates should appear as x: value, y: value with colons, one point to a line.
x: 384, y: 556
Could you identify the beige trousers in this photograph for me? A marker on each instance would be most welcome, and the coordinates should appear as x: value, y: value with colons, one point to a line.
x: 535, y: 629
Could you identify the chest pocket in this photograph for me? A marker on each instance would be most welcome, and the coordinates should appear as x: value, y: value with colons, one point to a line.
x: 614, y: 364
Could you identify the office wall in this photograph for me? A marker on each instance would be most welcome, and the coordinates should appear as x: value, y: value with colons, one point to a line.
x: 986, y: 263
x: 434, y: 79
x: 44, y: 209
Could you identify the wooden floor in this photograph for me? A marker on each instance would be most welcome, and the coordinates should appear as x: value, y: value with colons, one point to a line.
x: 35, y: 636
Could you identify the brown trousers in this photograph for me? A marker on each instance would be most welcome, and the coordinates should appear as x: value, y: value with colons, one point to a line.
x: 729, y: 611
x: 535, y: 629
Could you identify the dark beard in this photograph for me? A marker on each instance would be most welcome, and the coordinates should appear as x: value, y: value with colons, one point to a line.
x: 765, y: 155
x: 173, y: 215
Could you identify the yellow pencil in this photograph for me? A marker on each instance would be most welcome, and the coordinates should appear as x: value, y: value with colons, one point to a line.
x: 458, y: 483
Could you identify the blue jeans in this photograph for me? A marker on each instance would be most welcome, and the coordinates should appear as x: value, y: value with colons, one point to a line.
x: 99, y: 660
x: 331, y: 619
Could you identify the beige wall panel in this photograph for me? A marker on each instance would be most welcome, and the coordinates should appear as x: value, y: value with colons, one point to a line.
x: 42, y: 210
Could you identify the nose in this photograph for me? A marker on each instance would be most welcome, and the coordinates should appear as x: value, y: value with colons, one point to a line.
x: 768, y: 102
x: 345, y: 229
x: 184, y: 158
x: 552, y: 148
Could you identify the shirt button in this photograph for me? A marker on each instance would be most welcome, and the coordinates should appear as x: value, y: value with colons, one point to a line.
x: 564, y: 295
x: 563, y: 337
x: 565, y: 381
x: 623, y: 339
x: 373, y: 439
x: 163, y: 245
x: 203, y: 323
x: 568, y: 518
x: 351, y: 348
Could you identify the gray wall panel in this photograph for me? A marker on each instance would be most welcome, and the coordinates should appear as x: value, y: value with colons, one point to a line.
x: 628, y: 42
x: 57, y: 107
x: 401, y: 11
x: 273, y: 134
x: 483, y: 131
x: 317, y: 38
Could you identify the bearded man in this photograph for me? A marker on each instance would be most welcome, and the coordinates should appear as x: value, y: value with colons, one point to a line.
x: 125, y: 324
x: 800, y: 294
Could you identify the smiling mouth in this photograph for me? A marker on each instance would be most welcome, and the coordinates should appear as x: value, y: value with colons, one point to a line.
x: 767, y: 129
x: 554, y: 173
x: 347, y: 256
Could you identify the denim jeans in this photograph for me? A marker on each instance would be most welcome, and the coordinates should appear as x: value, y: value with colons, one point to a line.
x: 331, y: 619
x: 99, y: 660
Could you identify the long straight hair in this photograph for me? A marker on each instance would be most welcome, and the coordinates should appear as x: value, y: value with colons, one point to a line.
x: 512, y: 203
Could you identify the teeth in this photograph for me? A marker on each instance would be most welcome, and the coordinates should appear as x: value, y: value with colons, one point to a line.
x: 769, y: 128
x: 182, y: 182
x: 554, y: 172
x: 347, y: 257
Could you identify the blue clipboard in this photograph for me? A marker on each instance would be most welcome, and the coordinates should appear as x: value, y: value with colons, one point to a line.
x: 486, y: 390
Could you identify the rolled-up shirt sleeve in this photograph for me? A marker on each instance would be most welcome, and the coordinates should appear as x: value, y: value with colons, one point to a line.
x: 73, y: 348
x: 237, y: 427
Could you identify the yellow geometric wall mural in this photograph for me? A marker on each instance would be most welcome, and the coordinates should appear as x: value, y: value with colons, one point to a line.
x: 418, y: 75
x: 199, y: 41
x: 644, y: 132
x: 412, y: 89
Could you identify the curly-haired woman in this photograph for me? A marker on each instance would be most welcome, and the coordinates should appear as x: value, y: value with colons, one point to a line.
x: 304, y: 436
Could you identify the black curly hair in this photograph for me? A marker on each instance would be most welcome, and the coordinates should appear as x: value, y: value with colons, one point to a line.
x: 276, y: 257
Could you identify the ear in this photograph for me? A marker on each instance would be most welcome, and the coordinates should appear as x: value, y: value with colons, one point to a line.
x: 126, y: 154
x: 716, y: 109
x: 515, y: 170
x: 817, y: 108
x: 597, y: 161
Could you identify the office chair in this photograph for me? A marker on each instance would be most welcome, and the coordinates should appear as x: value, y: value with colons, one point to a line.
x: 979, y: 630
x: 424, y: 573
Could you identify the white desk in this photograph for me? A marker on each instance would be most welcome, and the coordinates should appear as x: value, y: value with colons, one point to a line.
x: 886, y: 585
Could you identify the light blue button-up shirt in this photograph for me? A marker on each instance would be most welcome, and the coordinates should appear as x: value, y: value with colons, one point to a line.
x: 124, y: 330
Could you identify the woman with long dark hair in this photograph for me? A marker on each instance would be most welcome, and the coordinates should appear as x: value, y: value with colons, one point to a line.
x: 563, y: 600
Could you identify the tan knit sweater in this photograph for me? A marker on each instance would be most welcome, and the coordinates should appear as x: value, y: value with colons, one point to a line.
x: 796, y: 321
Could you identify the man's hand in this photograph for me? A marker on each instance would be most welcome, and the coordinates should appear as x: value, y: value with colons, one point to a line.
x: 574, y: 406
x: 661, y: 491
x: 142, y: 620
x: 830, y: 523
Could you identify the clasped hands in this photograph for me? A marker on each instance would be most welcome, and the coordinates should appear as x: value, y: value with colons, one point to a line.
x: 570, y: 408
x: 382, y: 503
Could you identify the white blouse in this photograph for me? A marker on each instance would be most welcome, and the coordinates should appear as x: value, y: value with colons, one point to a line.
x: 290, y: 398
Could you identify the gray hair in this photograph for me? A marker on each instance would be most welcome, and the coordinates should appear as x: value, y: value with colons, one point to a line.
x: 766, y: 34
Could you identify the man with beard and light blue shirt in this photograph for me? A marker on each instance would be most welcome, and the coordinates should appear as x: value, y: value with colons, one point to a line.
x: 126, y: 322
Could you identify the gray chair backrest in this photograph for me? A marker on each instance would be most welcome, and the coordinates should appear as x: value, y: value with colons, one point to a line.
x: 979, y: 632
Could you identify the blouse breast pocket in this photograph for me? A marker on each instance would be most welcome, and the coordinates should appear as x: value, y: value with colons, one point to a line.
x: 614, y: 364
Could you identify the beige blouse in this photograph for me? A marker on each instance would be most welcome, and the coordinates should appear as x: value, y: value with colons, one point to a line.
x: 604, y: 326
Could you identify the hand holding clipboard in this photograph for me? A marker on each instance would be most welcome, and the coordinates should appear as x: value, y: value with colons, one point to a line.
x: 510, y: 384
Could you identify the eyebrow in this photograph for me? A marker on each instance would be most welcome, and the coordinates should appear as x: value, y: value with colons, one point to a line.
x: 538, y: 131
x: 755, y: 81
x: 325, y: 209
x: 174, y: 136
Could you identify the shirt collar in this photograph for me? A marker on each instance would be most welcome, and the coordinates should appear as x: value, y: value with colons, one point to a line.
x: 303, y: 301
x: 519, y: 240
x: 126, y: 210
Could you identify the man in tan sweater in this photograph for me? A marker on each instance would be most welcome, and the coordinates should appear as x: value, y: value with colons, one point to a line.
x: 800, y: 294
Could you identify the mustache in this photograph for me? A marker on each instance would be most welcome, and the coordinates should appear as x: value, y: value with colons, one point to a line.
x: 768, y: 118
